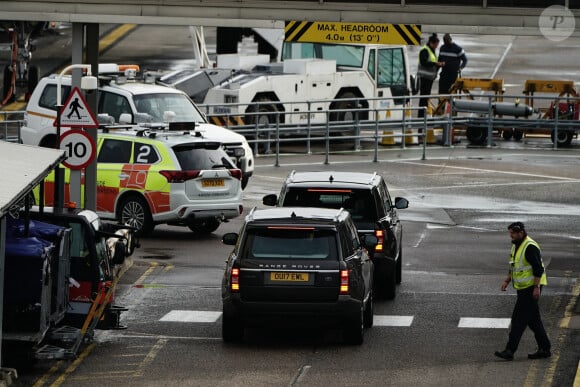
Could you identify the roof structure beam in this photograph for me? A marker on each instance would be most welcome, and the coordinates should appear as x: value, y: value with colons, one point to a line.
x: 272, y: 14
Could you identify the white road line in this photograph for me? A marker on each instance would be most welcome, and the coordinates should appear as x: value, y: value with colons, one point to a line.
x: 501, y: 59
x: 492, y: 171
x: 477, y: 322
x: 392, y: 321
x: 194, y: 316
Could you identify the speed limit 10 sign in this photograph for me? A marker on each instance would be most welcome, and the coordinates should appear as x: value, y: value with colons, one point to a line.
x: 79, y: 148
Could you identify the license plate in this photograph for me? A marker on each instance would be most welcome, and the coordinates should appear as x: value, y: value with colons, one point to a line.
x: 289, y: 277
x: 210, y: 183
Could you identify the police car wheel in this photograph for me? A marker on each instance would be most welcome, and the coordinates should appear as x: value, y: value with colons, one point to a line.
x: 134, y: 212
x: 205, y: 226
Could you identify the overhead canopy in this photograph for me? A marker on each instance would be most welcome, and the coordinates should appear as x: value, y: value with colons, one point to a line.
x: 515, y: 17
x: 23, y: 167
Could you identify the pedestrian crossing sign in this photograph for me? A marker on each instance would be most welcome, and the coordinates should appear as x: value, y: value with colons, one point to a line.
x: 75, y: 113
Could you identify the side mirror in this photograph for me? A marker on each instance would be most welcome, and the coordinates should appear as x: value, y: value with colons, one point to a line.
x: 401, y: 203
x: 141, y: 118
x: 369, y: 240
x: 105, y: 119
x: 125, y: 119
x: 270, y: 200
x: 231, y: 238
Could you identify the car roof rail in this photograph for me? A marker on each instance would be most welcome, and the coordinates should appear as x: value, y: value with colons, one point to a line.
x: 250, y: 215
x: 373, y: 177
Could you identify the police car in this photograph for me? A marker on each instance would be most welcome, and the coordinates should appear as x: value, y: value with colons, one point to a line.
x: 124, y: 99
x: 178, y: 177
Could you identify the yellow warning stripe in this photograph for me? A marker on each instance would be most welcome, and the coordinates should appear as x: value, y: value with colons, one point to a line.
x: 227, y: 121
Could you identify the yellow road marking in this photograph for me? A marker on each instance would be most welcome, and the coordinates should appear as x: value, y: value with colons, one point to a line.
x: 40, y: 382
x: 150, y: 357
x: 152, y: 266
x: 70, y: 369
x: 117, y: 33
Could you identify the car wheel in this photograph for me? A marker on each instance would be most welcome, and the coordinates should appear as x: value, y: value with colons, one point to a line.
x: 264, y: 116
x: 387, y: 279
x: 7, y: 85
x: 354, y: 329
x: 348, y: 105
x: 400, y: 265
x: 134, y: 211
x: 232, y: 329
x: 507, y: 134
x: 564, y: 137
x: 369, y: 313
x: 476, y: 136
x: 205, y: 226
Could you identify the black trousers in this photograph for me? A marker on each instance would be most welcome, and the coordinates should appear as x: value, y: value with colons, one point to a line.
x: 446, y: 80
x: 425, y: 86
x: 527, y: 314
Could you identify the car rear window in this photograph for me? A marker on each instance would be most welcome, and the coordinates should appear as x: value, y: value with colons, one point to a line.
x: 202, y: 156
x: 290, y: 243
x: 359, y: 203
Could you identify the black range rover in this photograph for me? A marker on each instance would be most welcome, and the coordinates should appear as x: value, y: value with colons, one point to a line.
x: 295, y: 263
x: 367, y: 198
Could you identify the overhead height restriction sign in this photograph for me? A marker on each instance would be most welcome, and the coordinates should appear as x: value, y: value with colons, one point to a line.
x: 75, y: 113
x: 352, y: 33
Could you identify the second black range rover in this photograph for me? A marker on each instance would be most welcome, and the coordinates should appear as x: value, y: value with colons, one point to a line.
x: 367, y: 198
x: 296, y: 263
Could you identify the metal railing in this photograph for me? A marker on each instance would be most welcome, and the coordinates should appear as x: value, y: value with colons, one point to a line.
x: 10, y: 124
x: 260, y: 133
x: 372, y: 125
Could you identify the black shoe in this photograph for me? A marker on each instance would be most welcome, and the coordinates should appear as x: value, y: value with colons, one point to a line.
x: 506, y: 354
x: 540, y: 354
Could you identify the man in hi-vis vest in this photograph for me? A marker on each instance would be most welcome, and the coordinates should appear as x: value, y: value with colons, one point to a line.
x: 427, y: 70
x: 528, y: 276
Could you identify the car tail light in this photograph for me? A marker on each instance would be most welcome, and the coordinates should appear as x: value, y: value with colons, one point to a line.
x: 381, y: 239
x: 236, y: 173
x: 235, y: 280
x: 344, y: 282
x: 179, y: 176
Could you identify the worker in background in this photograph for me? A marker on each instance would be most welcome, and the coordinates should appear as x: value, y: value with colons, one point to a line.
x: 427, y: 70
x: 455, y: 60
x: 528, y: 275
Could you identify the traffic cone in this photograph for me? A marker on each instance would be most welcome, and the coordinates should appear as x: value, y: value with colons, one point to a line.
x: 431, y: 136
x: 411, y: 137
x: 389, y: 139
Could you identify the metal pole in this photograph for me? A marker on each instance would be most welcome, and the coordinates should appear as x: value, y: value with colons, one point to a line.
x: 489, y: 123
x: 58, y: 172
x: 309, y: 128
x: 2, y: 276
x: 376, y: 157
x: 277, y: 164
x: 327, y: 147
x: 424, y: 136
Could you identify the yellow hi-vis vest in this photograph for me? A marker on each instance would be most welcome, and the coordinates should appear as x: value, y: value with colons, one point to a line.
x: 520, y: 268
x: 428, y: 72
